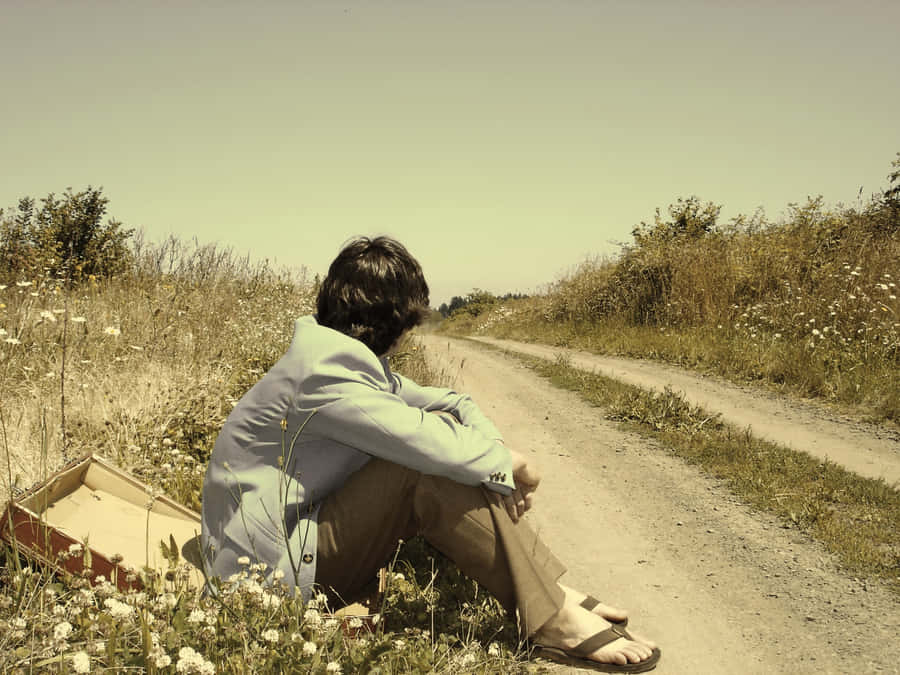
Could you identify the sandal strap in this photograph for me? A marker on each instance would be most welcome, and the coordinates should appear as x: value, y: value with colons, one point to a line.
x: 589, y: 603
x: 601, y: 639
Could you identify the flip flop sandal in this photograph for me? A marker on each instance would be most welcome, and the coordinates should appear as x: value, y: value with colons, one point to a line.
x: 590, y: 602
x: 577, y: 657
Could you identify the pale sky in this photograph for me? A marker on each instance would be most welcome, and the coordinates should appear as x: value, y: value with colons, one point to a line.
x: 501, y: 142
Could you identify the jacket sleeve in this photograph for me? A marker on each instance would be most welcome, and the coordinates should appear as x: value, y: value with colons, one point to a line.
x: 438, y: 398
x: 351, y: 408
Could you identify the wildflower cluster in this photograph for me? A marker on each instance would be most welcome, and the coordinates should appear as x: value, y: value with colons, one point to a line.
x: 858, y: 320
x: 497, y: 314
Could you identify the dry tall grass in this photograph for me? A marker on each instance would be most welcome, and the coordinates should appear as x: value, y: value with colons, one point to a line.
x: 140, y: 362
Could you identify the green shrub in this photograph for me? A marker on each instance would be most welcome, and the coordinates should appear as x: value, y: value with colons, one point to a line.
x: 66, y: 237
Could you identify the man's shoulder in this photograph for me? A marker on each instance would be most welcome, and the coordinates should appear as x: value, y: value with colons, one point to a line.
x: 317, y: 346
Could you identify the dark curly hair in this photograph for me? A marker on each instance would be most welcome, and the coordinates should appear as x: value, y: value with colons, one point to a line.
x: 374, y: 291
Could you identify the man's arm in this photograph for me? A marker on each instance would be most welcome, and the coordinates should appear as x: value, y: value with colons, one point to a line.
x: 351, y: 409
x: 464, y: 410
x: 432, y: 399
x: 525, y: 475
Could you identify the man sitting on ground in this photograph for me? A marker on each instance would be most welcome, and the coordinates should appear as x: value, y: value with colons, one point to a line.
x: 331, y: 459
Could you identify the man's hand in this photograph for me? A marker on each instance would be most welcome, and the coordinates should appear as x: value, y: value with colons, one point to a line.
x: 526, y: 478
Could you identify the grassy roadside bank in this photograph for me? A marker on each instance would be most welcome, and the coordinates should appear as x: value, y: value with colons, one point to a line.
x: 868, y: 393
x: 856, y: 518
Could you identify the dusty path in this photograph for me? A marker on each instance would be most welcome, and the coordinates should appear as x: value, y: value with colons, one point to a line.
x: 723, y: 590
x: 864, y: 449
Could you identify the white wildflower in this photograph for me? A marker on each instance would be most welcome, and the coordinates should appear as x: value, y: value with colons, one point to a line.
x: 270, y: 601
x: 62, y: 630
x: 45, y: 314
x: 112, y: 330
x: 23, y: 284
x: 196, y: 616
x: 312, y: 617
x: 309, y: 648
x: 278, y: 575
x: 117, y: 609
x: 493, y: 649
x: 270, y: 635
x: 77, y: 319
x: 190, y: 661
x: 333, y: 667
x: 162, y: 660
x: 251, y: 587
x: 75, y: 549
x: 166, y: 601
x: 243, y: 560
x: 81, y: 662
x: 85, y: 597
x: 816, y: 332
x: 13, y: 341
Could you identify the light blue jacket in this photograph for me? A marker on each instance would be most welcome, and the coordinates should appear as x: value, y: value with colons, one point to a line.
x: 321, y: 413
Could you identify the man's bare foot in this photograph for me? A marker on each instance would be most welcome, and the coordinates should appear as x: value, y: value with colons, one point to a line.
x: 608, y: 612
x: 572, y: 625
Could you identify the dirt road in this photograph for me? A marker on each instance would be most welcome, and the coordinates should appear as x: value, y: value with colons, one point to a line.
x: 723, y: 590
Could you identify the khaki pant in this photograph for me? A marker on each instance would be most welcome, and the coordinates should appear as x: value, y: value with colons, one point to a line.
x: 361, y: 524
